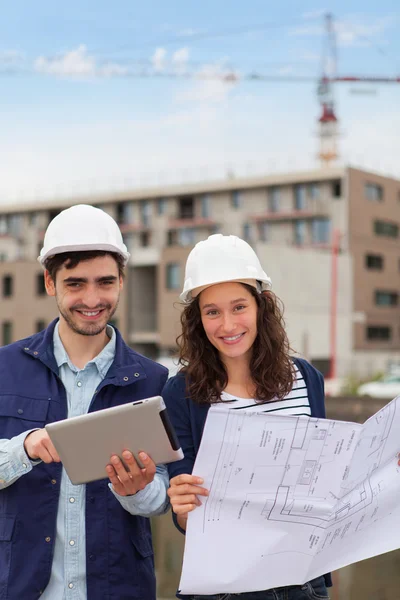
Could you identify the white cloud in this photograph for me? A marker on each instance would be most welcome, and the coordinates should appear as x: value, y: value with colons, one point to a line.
x: 212, y: 85
x: 10, y: 58
x: 74, y: 63
x: 181, y: 56
x: 158, y: 59
x: 189, y: 32
x: 77, y: 63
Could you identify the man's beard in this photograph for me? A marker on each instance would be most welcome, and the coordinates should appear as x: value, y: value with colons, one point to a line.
x: 89, y: 329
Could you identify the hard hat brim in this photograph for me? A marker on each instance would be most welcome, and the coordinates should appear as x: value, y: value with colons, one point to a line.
x: 83, y: 248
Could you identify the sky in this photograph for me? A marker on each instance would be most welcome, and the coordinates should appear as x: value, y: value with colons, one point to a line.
x: 98, y: 96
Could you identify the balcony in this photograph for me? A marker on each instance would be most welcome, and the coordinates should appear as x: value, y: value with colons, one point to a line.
x: 133, y: 227
x: 192, y: 223
x: 143, y: 257
x: 291, y: 215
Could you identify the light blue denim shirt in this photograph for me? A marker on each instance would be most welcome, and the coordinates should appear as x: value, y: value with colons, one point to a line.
x: 68, y: 575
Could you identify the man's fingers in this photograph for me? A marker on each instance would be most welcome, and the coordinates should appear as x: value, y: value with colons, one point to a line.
x: 149, y: 465
x: 122, y: 474
x: 45, y: 455
x: 49, y: 446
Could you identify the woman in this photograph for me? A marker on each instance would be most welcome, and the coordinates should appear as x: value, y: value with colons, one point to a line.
x: 233, y: 349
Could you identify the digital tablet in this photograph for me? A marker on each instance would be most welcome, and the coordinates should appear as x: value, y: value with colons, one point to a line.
x: 86, y: 443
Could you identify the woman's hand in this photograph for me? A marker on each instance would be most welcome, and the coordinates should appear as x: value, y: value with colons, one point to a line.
x: 183, y: 493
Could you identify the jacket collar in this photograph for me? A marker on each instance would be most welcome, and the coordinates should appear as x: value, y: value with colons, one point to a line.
x: 126, y: 368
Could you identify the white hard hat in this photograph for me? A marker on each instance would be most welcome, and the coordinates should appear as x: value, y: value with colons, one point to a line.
x: 82, y: 227
x: 219, y: 259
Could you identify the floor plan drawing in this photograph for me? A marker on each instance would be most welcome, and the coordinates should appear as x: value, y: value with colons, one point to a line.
x: 316, y: 492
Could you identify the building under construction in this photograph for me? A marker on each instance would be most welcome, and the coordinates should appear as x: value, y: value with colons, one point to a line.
x: 329, y: 239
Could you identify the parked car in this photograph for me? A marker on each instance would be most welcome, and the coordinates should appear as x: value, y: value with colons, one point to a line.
x: 387, y: 387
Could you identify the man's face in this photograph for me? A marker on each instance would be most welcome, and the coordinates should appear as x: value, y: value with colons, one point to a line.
x: 87, y: 296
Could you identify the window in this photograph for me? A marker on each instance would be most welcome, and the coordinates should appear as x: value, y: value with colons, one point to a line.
x: 186, y: 236
x: 40, y: 287
x: 235, y: 199
x: 3, y: 226
x: 323, y: 365
x: 299, y: 197
x: 161, y: 206
x: 173, y: 276
x: 205, y: 206
x: 145, y: 212
x: 172, y: 237
x: 186, y: 208
x: 374, y: 262
x: 321, y: 231
x: 299, y: 232
x: 263, y: 232
x: 337, y: 188
x: 314, y: 191
x: 373, y: 192
x: 40, y: 325
x: 144, y: 239
x: 387, y: 229
x: 273, y: 199
x: 384, y: 298
x: 247, y: 232
x: 7, y: 286
x: 53, y: 213
x: 124, y: 211
x: 379, y: 333
x: 33, y: 219
x: 6, y: 333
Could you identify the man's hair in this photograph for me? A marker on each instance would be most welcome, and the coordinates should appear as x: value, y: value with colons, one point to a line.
x: 70, y: 260
x: 272, y: 370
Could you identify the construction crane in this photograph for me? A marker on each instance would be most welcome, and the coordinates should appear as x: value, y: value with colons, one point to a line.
x: 328, y: 121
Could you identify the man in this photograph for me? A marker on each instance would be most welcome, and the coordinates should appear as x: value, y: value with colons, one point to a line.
x: 59, y: 541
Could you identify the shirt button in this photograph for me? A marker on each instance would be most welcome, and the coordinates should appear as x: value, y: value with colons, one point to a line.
x: 72, y: 500
x: 54, y: 481
x: 48, y: 539
x: 20, y: 411
x: 92, y: 557
x: 79, y: 384
x: 70, y: 585
x: 24, y: 465
x: 72, y: 542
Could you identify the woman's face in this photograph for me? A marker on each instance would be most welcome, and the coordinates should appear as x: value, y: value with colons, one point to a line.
x: 229, y: 316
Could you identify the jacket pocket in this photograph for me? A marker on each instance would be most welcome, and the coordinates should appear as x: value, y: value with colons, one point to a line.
x: 7, y: 524
x: 20, y: 413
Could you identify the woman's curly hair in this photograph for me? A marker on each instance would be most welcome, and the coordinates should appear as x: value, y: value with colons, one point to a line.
x: 271, y: 367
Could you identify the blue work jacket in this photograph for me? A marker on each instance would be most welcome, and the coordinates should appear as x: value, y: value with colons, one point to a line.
x: 119, y: 553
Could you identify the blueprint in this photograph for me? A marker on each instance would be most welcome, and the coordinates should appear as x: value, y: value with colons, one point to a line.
x: 291, y: 498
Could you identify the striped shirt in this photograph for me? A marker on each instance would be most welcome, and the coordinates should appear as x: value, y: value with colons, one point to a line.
x: 295, y: 403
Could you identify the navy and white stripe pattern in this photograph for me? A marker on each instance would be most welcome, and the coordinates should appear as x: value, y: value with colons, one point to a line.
x: 295, y: 403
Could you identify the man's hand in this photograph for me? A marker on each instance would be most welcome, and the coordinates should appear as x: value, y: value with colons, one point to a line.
x: 183, y: 492
x: 39, y: 446
x: 128, y: 482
